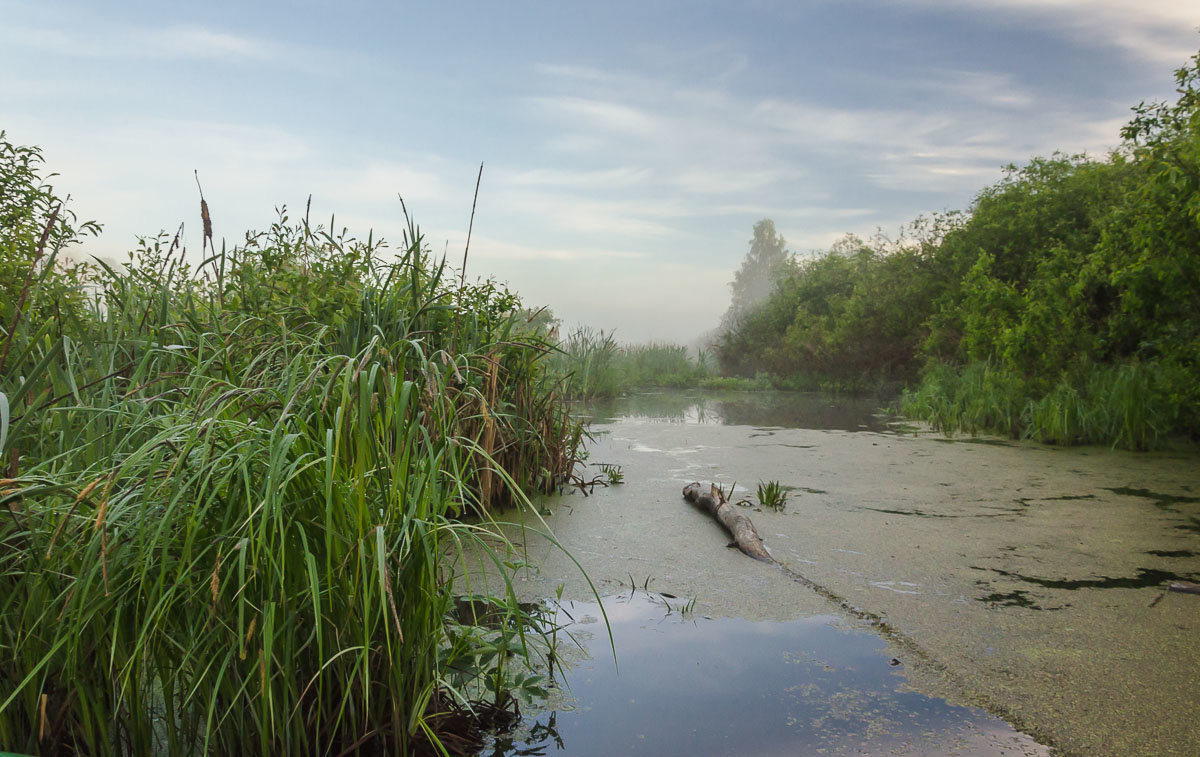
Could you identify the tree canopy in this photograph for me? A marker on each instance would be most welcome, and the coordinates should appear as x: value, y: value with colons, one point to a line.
x: 1064, y: 303
x: 753, y: 282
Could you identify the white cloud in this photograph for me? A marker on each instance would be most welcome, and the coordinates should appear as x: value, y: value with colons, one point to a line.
x: 624, y: 176
x: 574, y: 72
x: 1159, y: 31
x: 138, y: 42
x: 987, y: 88
x: 606, y: 187
x: 797, y: 213
x: 636, y: 218
x: 810, y: 122
x: 724, y: 181
x: 486, y: 250
x: 599, y: 114
x: 380, y: 181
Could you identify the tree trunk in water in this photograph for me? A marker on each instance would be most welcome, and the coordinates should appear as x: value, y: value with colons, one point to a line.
x: 735, y: 522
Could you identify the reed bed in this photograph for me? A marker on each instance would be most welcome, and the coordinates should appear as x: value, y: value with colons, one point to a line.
x: 1127, y: 405
x: 230, y: 491
x: 593, y: 364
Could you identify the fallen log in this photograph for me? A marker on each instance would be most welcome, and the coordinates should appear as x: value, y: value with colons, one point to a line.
x: 737, y: 523
x: 1184, y: 587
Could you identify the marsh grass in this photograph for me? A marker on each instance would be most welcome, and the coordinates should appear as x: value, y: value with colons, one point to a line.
x: 613, y: 473
x: 659, y: 364
x: 587, y: 361
x: 1127, y: 406
x: 594, y: 365
x: 231, y: 490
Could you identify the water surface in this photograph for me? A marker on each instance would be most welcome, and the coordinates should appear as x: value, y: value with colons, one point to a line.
x: 1022, y: 579
x: 702, y: 686
x: 812, y: 410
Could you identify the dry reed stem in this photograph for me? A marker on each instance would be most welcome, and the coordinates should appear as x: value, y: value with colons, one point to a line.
x: 392, y: 602
x: 214, y: 582
x: 205, y: 218
x: 246, y: 641
x: 489, y: 430
x: 83, y: 494
x: 66, y: 603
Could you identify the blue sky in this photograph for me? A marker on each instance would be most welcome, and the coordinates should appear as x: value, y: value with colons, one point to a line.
x: 628, y: 147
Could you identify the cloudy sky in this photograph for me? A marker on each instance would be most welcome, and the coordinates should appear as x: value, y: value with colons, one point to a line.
x: 629, y: 147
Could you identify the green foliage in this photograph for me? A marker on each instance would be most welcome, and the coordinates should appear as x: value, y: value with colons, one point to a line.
x: 38, y: 285
x: 230, y: 490
x: 1064, y: 305
x: 850, y: 316
x: 592, y: 364
x: 587, y: 361
x: 613, y: 473
x: 1128, y: 405
x: 771, y: 494
x: 660, y: 365
x: 755, y: 280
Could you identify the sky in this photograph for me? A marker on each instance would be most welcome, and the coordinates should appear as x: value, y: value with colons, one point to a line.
x: 628, y: 147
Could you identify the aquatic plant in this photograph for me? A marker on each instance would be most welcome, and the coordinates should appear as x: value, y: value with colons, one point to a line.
x: 586, y: 360
x: 771, y: 494
x: 613, y: 472
x: 594, y: 365
x: 656, y: 364
x: 1123, y: 405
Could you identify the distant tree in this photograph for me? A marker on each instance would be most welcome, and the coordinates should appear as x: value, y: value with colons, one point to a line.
x: 754, y: 281
x: 540, y: 321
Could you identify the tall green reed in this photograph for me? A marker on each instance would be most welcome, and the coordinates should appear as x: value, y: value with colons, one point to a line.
x: 1126, y: 405
x: 232, y: 490
x: 593, y: 364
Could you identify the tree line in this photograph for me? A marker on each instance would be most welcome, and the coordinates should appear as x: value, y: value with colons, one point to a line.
x: 1063, y: 304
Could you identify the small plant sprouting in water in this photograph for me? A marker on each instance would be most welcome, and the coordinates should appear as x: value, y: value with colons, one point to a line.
x: 689, y: 608
x: 614, y: 473
x: 772, y: 494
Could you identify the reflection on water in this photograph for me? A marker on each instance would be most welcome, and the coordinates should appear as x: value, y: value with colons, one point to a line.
x: 812, y: 410
x: 700, y: 686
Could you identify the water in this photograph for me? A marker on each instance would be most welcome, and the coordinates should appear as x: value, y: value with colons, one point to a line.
x: 1025, y: 580
x: 685, y: 684
x: 809, y: 410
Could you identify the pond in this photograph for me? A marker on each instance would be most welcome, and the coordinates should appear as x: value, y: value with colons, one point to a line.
x: 933, y: 595
x: 686, y: 684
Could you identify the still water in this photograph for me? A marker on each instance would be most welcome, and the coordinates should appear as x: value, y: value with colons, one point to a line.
x: 690, y: 685
x: 936, y: 596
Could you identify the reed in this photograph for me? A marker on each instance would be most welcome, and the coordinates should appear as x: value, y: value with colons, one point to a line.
x: 657, y: 364
x: 233, y: 488
x: 587, y: 361
x: 1126, y: 405
x: 594, y: 365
